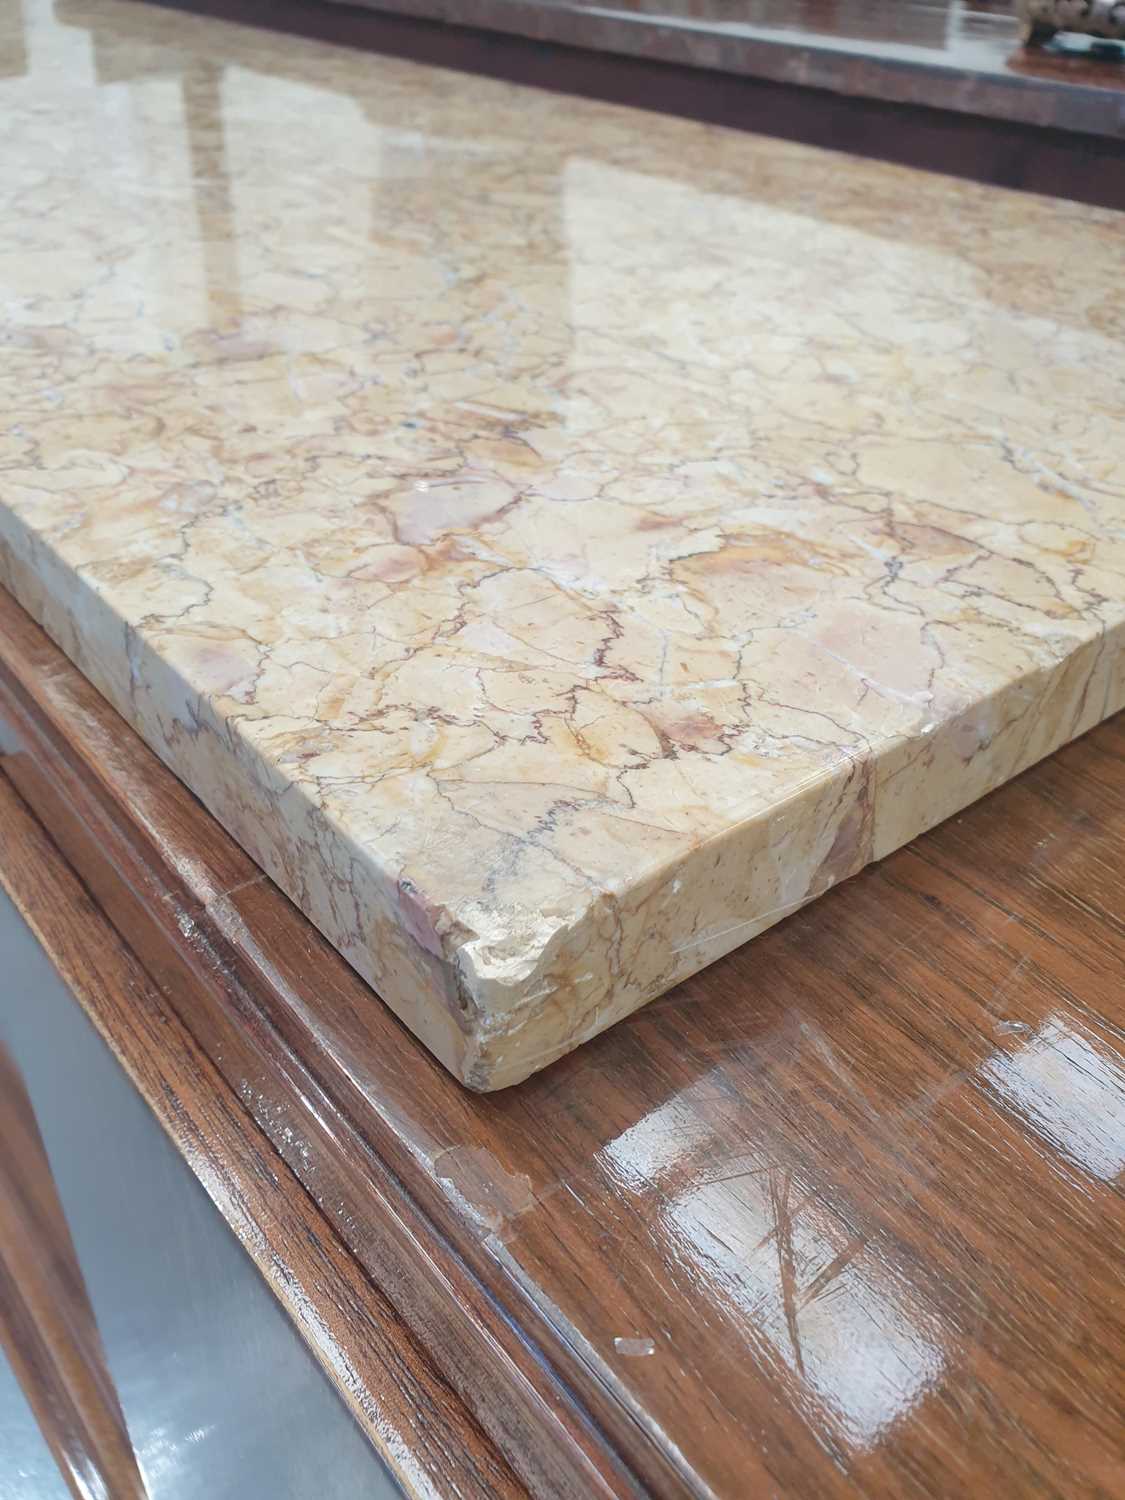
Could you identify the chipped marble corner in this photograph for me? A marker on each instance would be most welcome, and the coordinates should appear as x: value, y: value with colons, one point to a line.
x: 507, y: 1001
x: 522, y: 1011
x: 497, y: 999
x: 629, y: 945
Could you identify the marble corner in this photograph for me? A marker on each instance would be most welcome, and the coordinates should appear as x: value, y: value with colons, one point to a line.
x: 555, y: 543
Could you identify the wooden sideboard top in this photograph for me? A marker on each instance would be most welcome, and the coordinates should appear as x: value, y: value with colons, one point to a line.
x: 841, y: 1214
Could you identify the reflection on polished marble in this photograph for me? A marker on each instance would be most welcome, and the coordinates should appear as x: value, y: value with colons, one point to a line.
x: 555, y: 541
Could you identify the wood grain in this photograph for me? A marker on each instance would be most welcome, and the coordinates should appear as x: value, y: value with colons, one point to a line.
x: 842, y: 1214
x: 47, y: 1326
x: 419, y: 1427
x: 173, y: 886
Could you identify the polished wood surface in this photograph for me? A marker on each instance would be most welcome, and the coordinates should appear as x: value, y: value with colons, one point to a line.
x: 424, y: 1433
x: 47, y: 1326
x: 841, y: 1214
x: 1047, y: 130
x: 182, y: 893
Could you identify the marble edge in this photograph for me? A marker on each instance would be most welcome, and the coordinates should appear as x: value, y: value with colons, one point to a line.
x: 493, y: 1026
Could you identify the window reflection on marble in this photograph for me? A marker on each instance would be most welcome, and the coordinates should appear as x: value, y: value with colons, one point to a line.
x: 1070, y: 1091
x: 810, y: 1295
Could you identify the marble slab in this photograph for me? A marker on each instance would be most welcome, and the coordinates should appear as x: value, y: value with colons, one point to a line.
x: 556, y: 541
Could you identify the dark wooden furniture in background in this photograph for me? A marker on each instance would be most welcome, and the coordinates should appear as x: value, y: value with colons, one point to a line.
x: 841, y: 1214
x: 960, y: 56
x: 943, y: 85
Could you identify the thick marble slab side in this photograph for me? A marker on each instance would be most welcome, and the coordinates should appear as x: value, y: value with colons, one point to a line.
x: 555, y: 541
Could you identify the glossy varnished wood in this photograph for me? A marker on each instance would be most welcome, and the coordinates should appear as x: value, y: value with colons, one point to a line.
x: 400, y: 1399
x: 181, y: 893
x: 841, y: 1214
x: 47, y: 1326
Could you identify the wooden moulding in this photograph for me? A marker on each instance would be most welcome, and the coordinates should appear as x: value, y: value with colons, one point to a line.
x: 422, y: 1430
x: 209, y: 929
x: 841, y: 1212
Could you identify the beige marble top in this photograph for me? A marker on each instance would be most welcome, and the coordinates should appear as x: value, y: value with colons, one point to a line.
x: 556, y: 541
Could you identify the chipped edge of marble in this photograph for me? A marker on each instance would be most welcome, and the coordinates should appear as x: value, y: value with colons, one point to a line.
x: 493, y: 1029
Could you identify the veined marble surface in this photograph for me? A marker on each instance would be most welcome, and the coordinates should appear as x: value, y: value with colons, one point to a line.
x: 555, y: 541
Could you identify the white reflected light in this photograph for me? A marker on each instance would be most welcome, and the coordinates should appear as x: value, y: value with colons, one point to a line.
x: 823, y: 1300
x: 1069, y: 1092
x: 808, y: 1293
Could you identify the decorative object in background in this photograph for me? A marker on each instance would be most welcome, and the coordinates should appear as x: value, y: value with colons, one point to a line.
x: 1043, y: 19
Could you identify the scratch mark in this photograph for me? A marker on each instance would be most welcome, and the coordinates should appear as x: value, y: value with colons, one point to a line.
x: 779, y: 1202
x: 840, y: 1262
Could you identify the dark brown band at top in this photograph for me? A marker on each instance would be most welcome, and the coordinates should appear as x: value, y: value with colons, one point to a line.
x: 1042, y: 122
